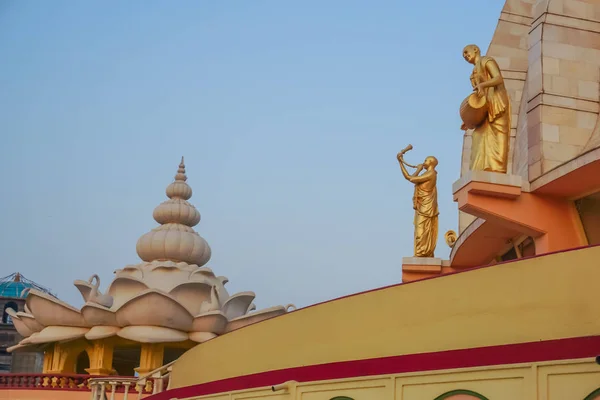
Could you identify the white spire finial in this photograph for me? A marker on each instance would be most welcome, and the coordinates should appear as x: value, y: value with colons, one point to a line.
x: 181, y: 172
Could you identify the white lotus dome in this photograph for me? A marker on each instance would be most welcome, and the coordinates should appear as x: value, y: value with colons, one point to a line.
x: 168, y: 297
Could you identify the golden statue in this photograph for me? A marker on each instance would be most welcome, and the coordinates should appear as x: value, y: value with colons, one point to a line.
x: 486, y: 111
x: 424, y: 203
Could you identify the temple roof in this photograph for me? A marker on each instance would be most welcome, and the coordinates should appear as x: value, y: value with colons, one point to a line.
x: 14, y: 286
x: 171, y: 296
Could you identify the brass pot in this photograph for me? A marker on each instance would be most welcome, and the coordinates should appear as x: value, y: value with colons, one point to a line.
x: 473, y: 110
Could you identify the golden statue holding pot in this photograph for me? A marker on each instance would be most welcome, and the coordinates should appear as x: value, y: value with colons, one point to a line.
x: 486, y: 111
x: 425, y: 202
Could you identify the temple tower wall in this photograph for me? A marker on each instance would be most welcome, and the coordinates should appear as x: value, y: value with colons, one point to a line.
x: 563, y: 85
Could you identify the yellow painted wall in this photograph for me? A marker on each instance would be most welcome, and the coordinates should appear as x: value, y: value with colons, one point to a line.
x: 544, y: 298
x: 564, y: 380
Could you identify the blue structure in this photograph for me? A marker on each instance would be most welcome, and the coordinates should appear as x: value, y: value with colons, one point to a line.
x: 13, y: 291
x: 14, y: 286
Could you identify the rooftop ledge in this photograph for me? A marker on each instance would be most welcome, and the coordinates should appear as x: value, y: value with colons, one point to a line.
x: 509, y: 208
x: 492, y: 184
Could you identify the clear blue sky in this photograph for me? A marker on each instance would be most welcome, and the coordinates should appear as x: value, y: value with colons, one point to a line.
x: 289, y: 114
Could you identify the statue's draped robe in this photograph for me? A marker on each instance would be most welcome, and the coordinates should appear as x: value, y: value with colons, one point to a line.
x: 489, y: 150
x: 426, y: 217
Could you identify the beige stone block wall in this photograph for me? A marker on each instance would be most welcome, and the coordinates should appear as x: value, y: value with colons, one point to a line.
x: 464, y: 219
x: 509, y: 47
x: 563, y: 82
x: 520, y: 146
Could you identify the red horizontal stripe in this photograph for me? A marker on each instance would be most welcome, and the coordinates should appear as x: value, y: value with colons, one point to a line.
x: 560, y: 349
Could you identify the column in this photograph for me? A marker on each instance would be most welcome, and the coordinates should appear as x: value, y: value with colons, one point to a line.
x: 151, y: 357
x: 64, y: 357
x: 101, y: 357
x: 48, y: 356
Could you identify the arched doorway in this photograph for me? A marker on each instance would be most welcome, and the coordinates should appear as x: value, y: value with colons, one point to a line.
x: 595, y: 395
x: 126, y: 359
x: 82, y: 363
x: 461, y: 395
x: 6, y: 319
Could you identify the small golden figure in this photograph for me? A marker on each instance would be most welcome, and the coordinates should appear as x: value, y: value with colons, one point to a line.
x: 451, y: 238
x: 488, y: 112
x: 424, y: 203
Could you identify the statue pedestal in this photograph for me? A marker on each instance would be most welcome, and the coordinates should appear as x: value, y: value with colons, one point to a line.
x: 490, y: 184
x: 416, y: 268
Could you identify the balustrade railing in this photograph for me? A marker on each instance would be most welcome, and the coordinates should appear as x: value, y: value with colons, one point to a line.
x: 101, y: 387
x: 45, y: 381
x: 151, y: 383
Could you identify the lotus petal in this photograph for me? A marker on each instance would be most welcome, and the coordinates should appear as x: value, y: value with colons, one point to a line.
x: 202, y: 272
x: 19, y: 325
x: 168, y: 264
x: 165, y: 275
x: 222, y: 293
x: 30, y: 321
x: 27, y: 340
x: 124, y: 288
x: 192, y: 294
x: 26, y: 346
x: 238, y: 304
x: 213, y: 304
x: 15, y: 348
x: 27, y: 310
x: 20, y: 347
x: 155, y: 308
x: 223, y: 280
x: 49, y: 310
x: 134, y: 271
x: 152, y: 334
x: 201, y: 337
x: 58, y: 334
x: 95, y: 314
x: 255, y: 317
x: 85, y: 288
x: 101, y: 332
x: 212, y: 321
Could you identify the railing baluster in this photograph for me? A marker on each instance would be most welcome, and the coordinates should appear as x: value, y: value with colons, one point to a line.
x: 102, y: 390
x: 94, y: 387
x: 126, y: 385
x: 113, y: 385
x: 140, y: 391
